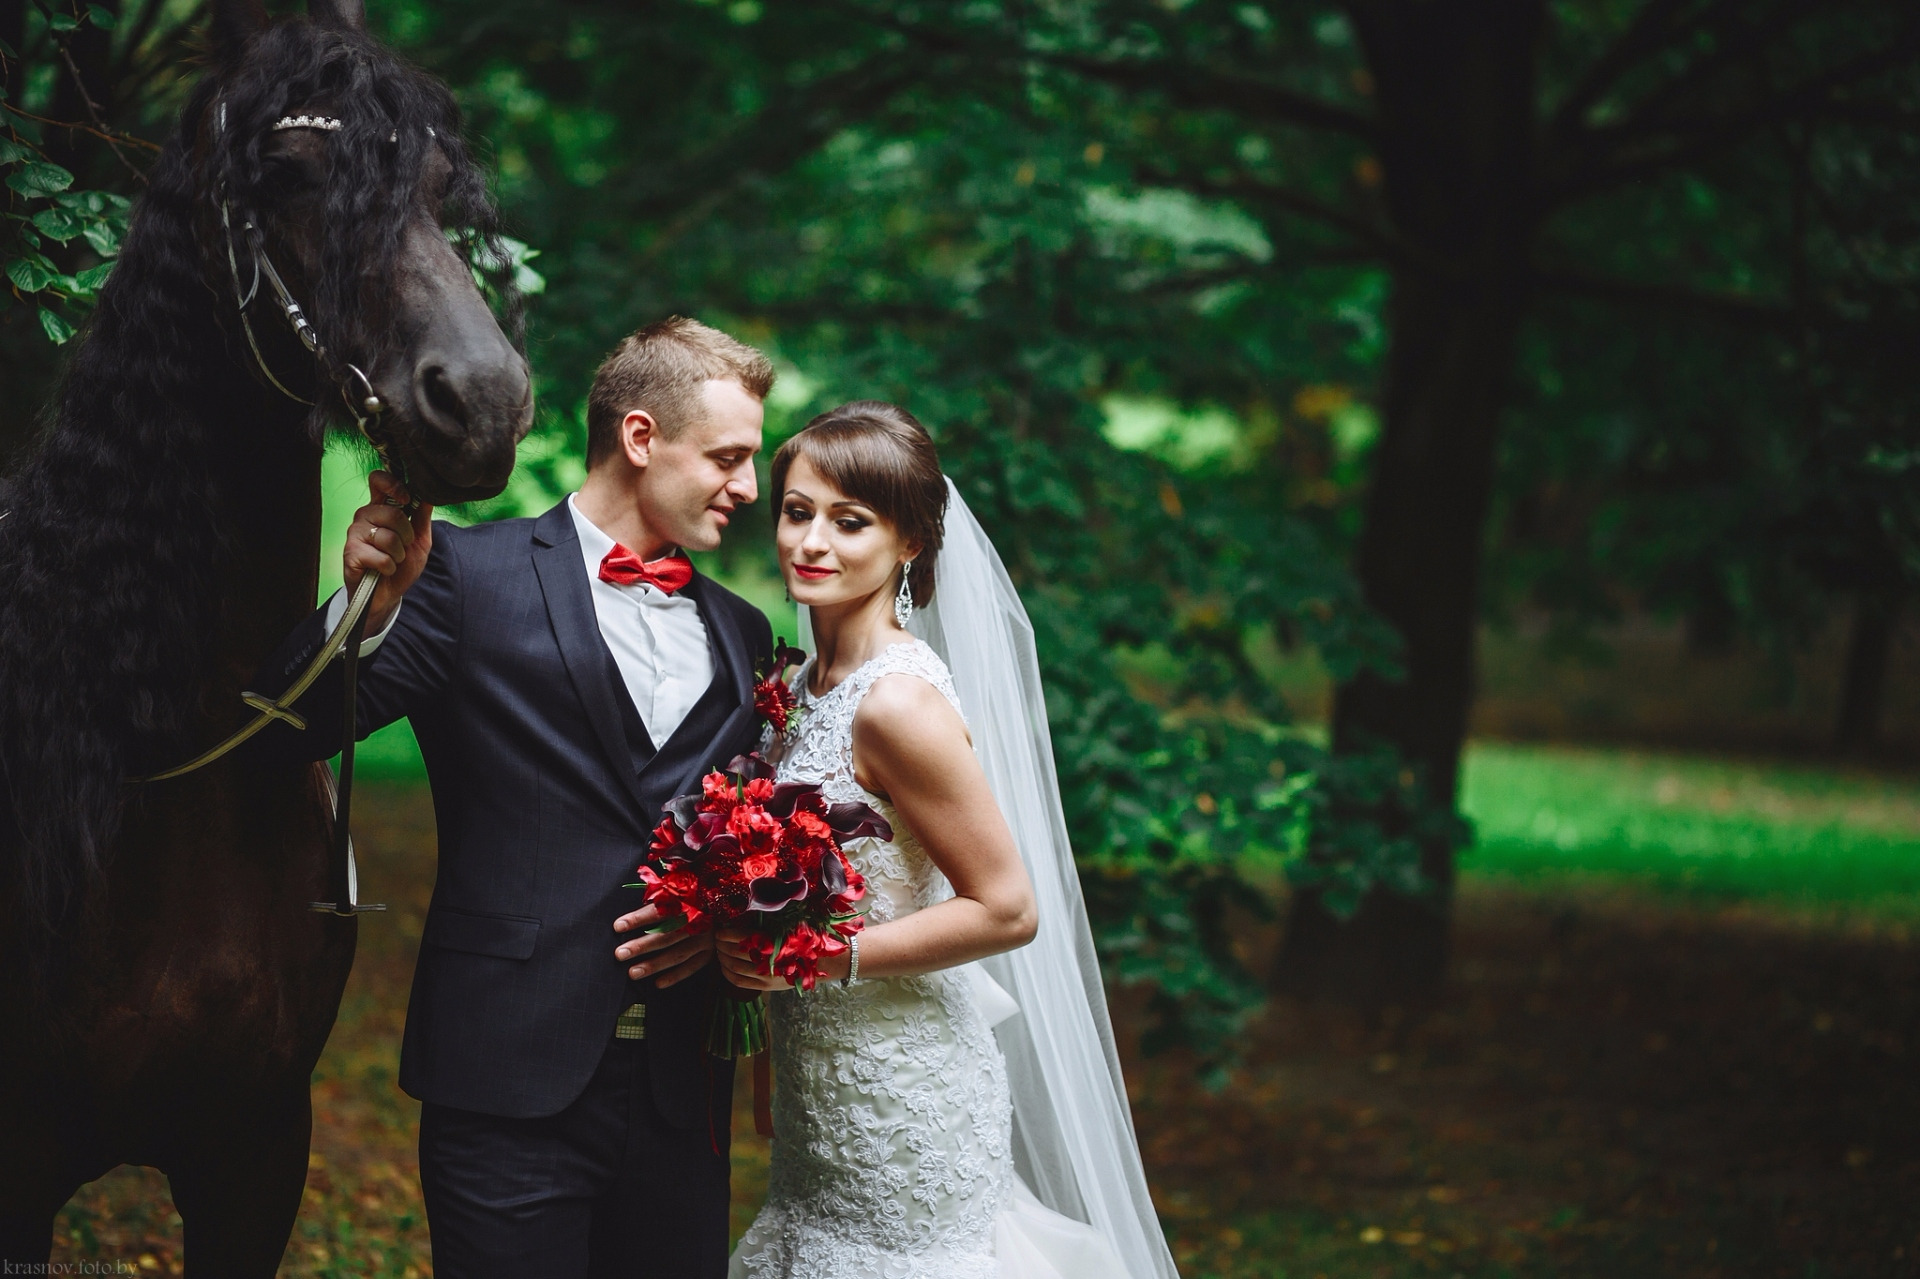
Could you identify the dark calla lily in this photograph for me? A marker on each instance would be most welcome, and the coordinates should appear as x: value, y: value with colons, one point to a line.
x: 723, y: 847
x: 704, y: 828
x: 786, y: 655
x: 685, y: 810
x: 750, y: 766
x: 857, y: 821
x: 772, y: 894
x: 833, y: 874
x: 788, y: 796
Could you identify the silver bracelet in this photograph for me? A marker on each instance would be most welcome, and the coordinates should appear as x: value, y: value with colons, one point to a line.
x: 853, y: 961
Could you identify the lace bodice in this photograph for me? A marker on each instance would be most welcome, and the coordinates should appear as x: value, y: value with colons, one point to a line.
x: 892, y: 1116
x: 900, y: 876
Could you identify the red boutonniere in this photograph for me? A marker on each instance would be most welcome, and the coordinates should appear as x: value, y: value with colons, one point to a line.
x: 774, y: 701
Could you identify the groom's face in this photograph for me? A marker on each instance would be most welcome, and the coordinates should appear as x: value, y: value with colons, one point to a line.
x: 692, y: 484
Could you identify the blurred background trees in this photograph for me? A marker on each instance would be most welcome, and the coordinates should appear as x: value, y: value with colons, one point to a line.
x: 1250, y: 331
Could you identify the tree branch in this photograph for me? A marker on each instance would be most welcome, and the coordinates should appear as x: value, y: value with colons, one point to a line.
x: 789, y: 128
x: 108, y: 137
x: 1651, y: 30
x: 1731, y: 50
x: 1212, y: 88
x: 1745, y: 312
x: 1377, y: 238
x: 100, y: 129
x: 1204, y: 87
x: 1710, y: 135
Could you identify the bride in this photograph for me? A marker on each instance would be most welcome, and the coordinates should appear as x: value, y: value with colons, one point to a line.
x: 948, y: 1103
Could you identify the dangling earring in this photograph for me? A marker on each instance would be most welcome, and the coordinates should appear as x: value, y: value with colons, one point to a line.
x: 903, y: 598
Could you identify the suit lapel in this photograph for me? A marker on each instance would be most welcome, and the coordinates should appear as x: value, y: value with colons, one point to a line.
x: 569, y: 599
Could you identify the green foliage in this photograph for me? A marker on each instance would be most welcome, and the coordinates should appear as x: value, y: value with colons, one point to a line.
x: 46, y: 214
x: 1371, y: 824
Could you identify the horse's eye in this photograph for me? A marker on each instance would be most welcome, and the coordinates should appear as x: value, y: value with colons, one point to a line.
x: 283, y: 176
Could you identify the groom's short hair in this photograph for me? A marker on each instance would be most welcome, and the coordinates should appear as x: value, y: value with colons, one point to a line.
x: 661, y: 369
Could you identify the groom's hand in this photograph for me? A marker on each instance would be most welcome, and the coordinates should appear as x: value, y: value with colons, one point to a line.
x: 668, y: 958
x: 386, y: 540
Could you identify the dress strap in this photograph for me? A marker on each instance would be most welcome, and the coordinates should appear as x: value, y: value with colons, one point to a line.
x: 914, y: 657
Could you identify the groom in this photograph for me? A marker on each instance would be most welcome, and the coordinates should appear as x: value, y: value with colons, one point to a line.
x: 566, y: 675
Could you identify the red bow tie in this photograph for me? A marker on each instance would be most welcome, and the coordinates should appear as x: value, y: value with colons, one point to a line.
x: 667, y: 574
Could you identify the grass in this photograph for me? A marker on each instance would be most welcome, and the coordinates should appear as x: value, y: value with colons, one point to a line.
x: 1705, y: 830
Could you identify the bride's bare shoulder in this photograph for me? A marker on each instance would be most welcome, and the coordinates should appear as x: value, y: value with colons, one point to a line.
x: 905, y: 715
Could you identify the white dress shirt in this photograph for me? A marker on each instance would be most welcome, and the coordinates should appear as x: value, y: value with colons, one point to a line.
x: 658, y: 640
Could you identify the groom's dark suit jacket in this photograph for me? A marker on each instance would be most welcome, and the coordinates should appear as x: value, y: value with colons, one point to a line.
x: 545, y: 788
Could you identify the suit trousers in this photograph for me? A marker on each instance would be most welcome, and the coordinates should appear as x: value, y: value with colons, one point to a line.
x: 603, y: 1190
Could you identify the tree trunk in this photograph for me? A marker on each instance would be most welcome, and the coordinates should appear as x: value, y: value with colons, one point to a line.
x: 1455, y: 80
x: 1876, y: 617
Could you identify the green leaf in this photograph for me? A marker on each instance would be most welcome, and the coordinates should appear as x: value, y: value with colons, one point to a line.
x: 58, y: 225
x: 92, y: 278
x: 101, y: 17
x: 30, y: 276
x: 12, y: 152
x: 104, y: 238
x: 62, y: 22
x: 40, y: 179
x: 57, y: 329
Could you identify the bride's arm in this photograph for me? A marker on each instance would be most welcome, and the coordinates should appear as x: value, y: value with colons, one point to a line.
x: 911, y: 746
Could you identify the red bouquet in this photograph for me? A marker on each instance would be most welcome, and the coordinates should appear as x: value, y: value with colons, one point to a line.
x: 748, y: 851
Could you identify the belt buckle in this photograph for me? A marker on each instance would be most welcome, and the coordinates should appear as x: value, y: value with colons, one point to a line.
x: 632, y: 1023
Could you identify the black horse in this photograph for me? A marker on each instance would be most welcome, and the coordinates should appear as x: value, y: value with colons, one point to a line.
x: 164, y: 988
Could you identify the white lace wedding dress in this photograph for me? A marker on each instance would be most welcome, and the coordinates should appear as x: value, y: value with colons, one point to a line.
x: 892, y: 1118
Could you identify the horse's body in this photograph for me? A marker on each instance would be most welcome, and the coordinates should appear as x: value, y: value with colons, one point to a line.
x: 165, y: 989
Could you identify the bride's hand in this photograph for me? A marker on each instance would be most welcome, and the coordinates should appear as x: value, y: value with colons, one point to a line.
x: 740, y: 968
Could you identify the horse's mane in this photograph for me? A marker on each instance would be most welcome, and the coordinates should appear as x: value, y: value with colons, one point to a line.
x: 113, y: 546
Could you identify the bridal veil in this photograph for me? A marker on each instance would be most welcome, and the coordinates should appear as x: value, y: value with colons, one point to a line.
x: 1073, y: 1138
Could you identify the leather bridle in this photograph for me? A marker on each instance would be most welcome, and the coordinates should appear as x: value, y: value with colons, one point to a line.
x: 365, y: 407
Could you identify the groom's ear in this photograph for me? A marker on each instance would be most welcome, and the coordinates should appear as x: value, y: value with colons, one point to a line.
x: 638, y: 431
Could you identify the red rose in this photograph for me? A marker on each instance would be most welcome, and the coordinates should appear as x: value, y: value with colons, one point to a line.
x: 756, y: 829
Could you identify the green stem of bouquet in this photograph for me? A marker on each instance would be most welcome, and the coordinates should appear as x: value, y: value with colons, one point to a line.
x: 739, y: 1027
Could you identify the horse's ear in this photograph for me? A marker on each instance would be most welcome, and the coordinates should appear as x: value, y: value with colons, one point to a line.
x: 342, y: 15
x: 234, y: 23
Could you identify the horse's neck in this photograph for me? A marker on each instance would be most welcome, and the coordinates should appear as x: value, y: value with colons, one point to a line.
x: 272, y: 535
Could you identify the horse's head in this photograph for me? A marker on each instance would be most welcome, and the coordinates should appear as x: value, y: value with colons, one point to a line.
x: 377, y: 220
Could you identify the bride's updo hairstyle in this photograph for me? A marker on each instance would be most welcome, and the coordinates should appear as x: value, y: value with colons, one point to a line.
x: 878, y: 453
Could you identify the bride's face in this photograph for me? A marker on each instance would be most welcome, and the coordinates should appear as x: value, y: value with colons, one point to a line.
x: 834, y: 549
